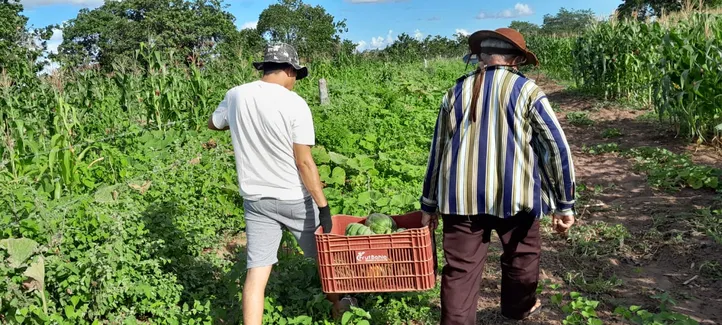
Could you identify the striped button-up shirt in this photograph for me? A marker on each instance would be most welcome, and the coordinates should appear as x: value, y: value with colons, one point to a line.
x: 514, y: 158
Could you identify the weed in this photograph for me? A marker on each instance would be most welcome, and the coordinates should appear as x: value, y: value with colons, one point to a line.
x: 597, y: 285
x: 667, y: 170
x: 711, y: 269
x: 598, y: 239
x: 637, y: 315
x: 601, y: 148
x: 579, y: 310
x: 611, y: 133
x: 579, y: 118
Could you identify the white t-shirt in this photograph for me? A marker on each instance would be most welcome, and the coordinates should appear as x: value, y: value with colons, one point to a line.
x: 265, y: 120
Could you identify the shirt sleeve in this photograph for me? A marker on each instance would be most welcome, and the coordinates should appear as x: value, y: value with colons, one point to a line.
x: 558, y: 163
x: 302, y: 125
x: 438, y: 144
x: 220, y: 115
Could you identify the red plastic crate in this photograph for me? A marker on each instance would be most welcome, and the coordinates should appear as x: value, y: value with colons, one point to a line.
x: 403, y: 261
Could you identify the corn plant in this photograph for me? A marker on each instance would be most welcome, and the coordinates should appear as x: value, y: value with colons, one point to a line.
x: 671, y: 64
x: 690, y: 80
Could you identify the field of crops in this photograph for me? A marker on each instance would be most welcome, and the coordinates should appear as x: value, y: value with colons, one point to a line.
x: 128, y: 208
x: 130, y: 199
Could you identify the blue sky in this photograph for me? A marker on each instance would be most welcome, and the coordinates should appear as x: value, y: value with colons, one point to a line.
x: 371, y: 23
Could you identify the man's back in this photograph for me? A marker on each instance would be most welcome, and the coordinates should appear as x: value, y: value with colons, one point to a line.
x: 265, y: 120
x: 491, y: 166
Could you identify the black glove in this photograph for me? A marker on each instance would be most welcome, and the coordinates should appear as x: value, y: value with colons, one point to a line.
x: 324, y: 214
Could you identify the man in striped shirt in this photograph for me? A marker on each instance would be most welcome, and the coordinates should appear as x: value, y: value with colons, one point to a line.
x: 499, y: 161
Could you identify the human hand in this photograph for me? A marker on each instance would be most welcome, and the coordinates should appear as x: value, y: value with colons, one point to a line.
x: 324, y: 215
x: 562, y: 223
x: 430, y: 219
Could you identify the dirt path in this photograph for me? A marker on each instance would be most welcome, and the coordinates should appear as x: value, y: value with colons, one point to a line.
x: 661, y: 253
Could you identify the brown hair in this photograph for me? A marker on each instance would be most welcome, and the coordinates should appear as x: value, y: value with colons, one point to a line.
x: 478, y: 81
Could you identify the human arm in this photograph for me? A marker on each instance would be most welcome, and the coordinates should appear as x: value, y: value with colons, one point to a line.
x: 559, y: 164
x: 213, y: 127
x: 303, y: 135
x: 309, y: 173
x: 429, y: 204
x: 218, y: 121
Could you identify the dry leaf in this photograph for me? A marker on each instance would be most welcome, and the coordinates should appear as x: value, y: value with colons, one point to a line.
x: 141, y: 188
x: 36, y: 275
x: 210, y: 144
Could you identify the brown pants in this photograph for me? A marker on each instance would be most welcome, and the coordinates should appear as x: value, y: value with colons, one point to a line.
x: 466, y: 241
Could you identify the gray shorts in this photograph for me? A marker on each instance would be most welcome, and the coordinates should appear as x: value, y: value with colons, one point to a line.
x: 265, y: 221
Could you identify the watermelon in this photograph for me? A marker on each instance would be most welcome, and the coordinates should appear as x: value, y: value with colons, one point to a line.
x: 381, y: 223
x: 364, y: 231
x: 352, y: 229
x: 357, y: 229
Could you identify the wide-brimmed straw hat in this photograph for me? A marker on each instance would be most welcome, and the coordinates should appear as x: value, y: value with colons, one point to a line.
x: 283, y: 53
x: 509, y: 35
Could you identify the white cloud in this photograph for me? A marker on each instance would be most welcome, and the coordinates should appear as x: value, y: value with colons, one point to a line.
x: 361, y: 46
x: 519, y: 10
x: 376, y: 43
x: 249, y: 25
x: 523, y: 9
x: 55, y: 40
x: 81, y: 3
x: 418, y: 35
x: 462, y: 32
x: 49, y: 68
x: 51, y: 48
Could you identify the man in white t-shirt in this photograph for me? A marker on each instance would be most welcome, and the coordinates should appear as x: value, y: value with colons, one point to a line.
x: 272, y: 133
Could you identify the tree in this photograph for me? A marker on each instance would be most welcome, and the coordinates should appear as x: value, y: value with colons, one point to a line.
x: 567, y: 22
x: 525, y: 27
x: 19, y: 46
x: 644, y: 9
x: 251, y: 42
x: 311, y: 30
x: 405, y: 48
x: 117, y: 28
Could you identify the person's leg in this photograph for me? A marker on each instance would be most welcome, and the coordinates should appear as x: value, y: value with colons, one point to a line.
x: 521, y: 240
x: 264, y: 236
x: 254, y: 294
x: 465, y: 251
x: 301, y: 219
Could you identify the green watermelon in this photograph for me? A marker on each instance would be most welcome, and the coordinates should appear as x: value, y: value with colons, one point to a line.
x: 357, y: 229
x: 352, y: 229
x: 364, y: 231
x: 381, y: 223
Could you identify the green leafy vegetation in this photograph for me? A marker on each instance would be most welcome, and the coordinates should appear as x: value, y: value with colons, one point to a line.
x: 667, y: 170
x: 118, y: 206
x: 579, y: 118
x: 665, y: 64
x: 637, y: 315
x: 612, y: 133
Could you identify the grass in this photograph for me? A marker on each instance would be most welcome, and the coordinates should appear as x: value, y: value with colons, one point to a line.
x: 579, y: 119
x: 611, y: 133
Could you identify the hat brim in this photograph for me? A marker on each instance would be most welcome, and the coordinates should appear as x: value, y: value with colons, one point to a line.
x: 301, y: 71
x: 470, y: 58
x: 476, y: 38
